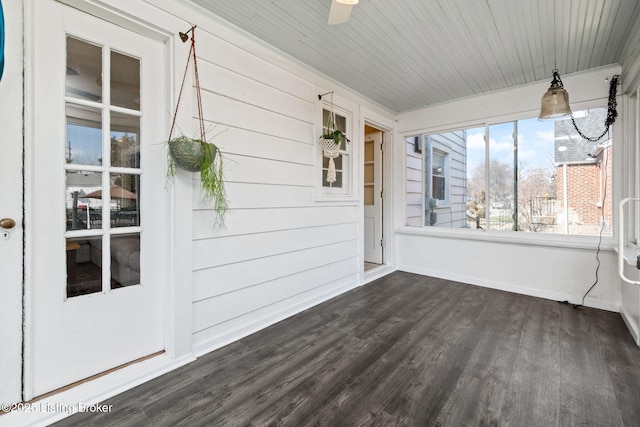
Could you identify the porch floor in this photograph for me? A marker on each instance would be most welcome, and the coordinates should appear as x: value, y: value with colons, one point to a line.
x: 405, y: 350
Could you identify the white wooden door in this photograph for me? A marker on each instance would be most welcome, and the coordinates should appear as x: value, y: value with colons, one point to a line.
x: 97, y: 206
x: 373, y: 239
x: 11, y: 146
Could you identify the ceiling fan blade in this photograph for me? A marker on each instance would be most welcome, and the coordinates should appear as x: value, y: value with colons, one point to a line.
x: 339, y: 13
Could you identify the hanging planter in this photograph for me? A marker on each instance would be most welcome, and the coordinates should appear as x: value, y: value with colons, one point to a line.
x: 331, y: 143
x: 191, y: 154
x: 196, y: 154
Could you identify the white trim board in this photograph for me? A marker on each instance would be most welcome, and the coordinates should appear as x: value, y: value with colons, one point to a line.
x: 58, y: 406
x: 554, y: 296
x: 634, y: 328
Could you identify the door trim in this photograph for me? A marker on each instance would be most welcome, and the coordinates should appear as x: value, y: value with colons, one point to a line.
x: 389, y: 129
x: 12, y: 196
x: 178, y: 304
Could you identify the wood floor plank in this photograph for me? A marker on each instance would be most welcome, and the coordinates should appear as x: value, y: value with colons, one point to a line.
x: 405, y: 350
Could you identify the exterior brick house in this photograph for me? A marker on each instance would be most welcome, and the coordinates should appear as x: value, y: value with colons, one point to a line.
x: 584, y: 171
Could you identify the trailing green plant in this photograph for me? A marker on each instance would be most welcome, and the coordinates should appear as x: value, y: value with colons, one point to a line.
x: 331, y: 132
x: 196, y: 155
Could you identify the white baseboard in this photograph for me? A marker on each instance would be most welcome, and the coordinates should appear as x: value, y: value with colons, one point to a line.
x: 60, y: 405
x: 376, y: 273
x: 220, y: 341
x: 634, y: 328
x: 555, y: 296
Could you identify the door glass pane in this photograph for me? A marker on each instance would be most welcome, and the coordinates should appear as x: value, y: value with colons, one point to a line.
x: 125, y: 260
x: 84, y: 70
x: 84, y: 266
x: 125, y: 200
x: 83, y: 200
x: 369, y: 153
x: 125, y: 140
x: 84, y: 135
x: 368, y: 174
x: 368, y: 195
x: 125, y: 81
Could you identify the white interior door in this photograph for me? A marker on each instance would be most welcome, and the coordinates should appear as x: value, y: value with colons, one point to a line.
x: 97, y: 206
x: 373, y: 239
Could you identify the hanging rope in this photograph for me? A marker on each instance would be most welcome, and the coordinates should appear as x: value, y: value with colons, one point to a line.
x: 612, y: 113
x: 330, y: 148
x: 192, y: 52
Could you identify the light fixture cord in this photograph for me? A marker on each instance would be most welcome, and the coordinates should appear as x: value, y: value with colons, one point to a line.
x: 612, y: 113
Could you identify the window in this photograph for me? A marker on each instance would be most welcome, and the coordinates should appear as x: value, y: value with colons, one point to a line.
x: 438, y: 181
x: 334, y: 181
x: 341, y: 124
x: 524, y: 175
x: 103, y: 173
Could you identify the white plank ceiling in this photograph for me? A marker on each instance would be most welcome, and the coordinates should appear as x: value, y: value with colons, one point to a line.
x: 407, y: 54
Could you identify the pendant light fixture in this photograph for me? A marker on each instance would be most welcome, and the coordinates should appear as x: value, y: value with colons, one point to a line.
x: 555, y: 105
x: 555, y: 102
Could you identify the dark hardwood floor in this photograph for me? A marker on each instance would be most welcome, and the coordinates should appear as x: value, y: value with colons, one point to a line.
x: 406, y: 350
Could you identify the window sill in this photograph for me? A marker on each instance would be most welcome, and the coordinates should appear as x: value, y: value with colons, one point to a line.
x: 510, y: 237
x: 330, y: 198
x: 630, y: 253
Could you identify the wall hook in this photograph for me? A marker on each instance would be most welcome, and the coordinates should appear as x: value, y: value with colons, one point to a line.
x: 183, y: 36
x: 320, y: 96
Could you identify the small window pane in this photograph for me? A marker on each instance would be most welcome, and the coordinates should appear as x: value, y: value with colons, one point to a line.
x: 369, y: 151
x: 369, y: 174
x: 337, y: 161
x: 84, y: 135
x: 337, y: 183
x: 84, y: 70
x: 125, y: 200
x: 340, y: 121
x: 439, y: 187
x: 83, y: 200
x: 369, y: 195
x: 125, y: 260
x: 125, y: 140
x: 125, y: 81
x: 84, y: 266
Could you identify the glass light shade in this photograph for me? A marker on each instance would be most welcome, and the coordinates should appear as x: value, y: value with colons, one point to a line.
x: 555, y: 104
x: 347, y: 1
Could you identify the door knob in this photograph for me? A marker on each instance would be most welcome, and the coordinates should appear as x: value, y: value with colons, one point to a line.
x: 7, y: 223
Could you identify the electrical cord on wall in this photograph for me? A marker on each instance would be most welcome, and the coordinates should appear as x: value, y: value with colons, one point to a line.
x: 602, y: 225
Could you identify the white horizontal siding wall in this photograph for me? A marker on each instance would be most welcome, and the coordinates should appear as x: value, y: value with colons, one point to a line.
x: 453, y: 215
x: 282, y: 250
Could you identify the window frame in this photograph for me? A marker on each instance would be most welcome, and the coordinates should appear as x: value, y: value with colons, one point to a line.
x: 444, y: 151
x: 542, y: 239
x: 347, y: 191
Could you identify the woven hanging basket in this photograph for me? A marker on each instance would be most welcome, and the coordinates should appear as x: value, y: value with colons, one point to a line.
x: 330, y: 148
x: 188, y: 153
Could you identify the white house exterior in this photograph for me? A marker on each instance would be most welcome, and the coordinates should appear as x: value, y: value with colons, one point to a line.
x: 289, y: 242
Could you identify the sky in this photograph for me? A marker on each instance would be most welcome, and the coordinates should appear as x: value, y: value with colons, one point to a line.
x: 86, y: 144
x: 535, y: 144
